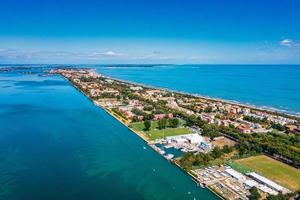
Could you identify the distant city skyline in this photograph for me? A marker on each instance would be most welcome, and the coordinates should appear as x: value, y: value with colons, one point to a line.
x: 150, y: 31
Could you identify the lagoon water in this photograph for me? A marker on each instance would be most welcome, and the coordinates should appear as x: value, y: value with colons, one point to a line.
x: 274, y: 86
x: 56, y: 145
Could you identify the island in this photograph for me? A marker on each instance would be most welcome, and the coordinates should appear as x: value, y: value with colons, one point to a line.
x: 235, y: 150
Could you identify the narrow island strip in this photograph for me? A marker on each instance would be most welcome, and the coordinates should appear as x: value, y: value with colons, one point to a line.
x: 223, y: 146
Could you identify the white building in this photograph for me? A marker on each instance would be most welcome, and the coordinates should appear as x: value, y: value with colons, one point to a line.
x: 191, y: 138
x: 268, y: 182
x: 194, y: 138
x: 235, y: 174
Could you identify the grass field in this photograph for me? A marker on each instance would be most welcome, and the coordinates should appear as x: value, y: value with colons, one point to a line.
x: 240, y: 168
x: 279, y: 172
x: 155, y: 133
x: 139, y: 126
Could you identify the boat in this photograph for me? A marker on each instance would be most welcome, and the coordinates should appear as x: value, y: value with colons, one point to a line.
x: 169, y: 156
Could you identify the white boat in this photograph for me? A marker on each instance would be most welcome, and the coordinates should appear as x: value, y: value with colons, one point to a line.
x: 169, y: 156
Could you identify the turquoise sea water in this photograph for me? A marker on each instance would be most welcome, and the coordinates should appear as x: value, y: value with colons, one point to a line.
x: 56, y: 145
x: 274, y: 86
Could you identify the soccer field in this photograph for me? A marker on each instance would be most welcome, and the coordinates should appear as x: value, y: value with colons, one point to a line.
x: 155, y: 133
x: 279, y: 172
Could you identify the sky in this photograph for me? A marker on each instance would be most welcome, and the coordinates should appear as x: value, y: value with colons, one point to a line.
x: 150, y: 31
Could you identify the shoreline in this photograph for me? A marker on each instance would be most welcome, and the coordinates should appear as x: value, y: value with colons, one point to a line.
x: 110, y: 109
x: 146, y: 140
x: 232, y: 102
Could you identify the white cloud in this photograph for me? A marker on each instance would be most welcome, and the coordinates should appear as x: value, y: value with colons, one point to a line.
x: 20, y: 55
x: 287, y: 42
x: 290, y: 43
x: 110, y: 53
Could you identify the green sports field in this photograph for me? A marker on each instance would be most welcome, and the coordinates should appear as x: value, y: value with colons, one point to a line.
x: 279, y: 172
x: 155, y: 133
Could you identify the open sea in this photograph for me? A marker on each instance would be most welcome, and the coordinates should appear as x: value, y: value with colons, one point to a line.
x: 270, y: 86
x: 56, y: 145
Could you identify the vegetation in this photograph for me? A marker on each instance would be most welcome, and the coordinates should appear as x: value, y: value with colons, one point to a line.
x: 140, y: 126
x: 118, y: 113
x: 227, y: 149
x: 280, y: 196
x: 255, y: 120
x: 173, y: 122
x: 210, y: 130
x: 189, y: 160
x: 162, y: 123
x: 147, y: 124
x: 254, y: 194
x: 278, y: 127
x: 148, y: 108
x: 155, y: 133
x: 279, y: 172
x: 240, y: 168
x: 208, y: 109
x: 272, y: 143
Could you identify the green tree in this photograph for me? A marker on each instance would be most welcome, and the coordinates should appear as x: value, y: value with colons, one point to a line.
x: 210, y: 130
x: 147, y: 124
x: 227, y: 149
x: 208, y: 109
x: 254, y: 194
x: 280, y: 196
x: 174, y: 122
x: 216, y: 152
x: 162, y: 123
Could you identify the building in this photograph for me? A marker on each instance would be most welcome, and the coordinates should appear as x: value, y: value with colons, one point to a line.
x: 161, y: 116
x: 136, y: 88
x: 133, y: 102
x: 205, y: 146
x: 244, y: 128
x: 188, y: 138
x: 293, y: 128
x: 194, y: 138
x: 95, y: 92
x: 124, y: 109
x: 235, y: 174
x: 268, y: 182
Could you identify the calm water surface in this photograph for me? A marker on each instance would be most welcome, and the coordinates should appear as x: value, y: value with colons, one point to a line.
x: 56, y: 145
x: 262, y: 85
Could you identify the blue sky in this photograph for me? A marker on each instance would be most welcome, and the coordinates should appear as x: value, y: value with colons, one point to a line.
x: 150, y: 31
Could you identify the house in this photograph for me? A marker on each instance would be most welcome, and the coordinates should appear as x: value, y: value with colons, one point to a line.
x: 293, y: 128
x: 134, y: 102
x: 128, y: 114
x: 243, y: 128
x: 161, y: 116
x: 95, y: 92
x: 124, y: 109
x: 207, y: 117
x: 136, y: 88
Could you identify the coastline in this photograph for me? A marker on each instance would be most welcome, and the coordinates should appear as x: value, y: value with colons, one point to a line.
x: 83, y: 88
x: 232, y: 102
x: 140, y: 135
